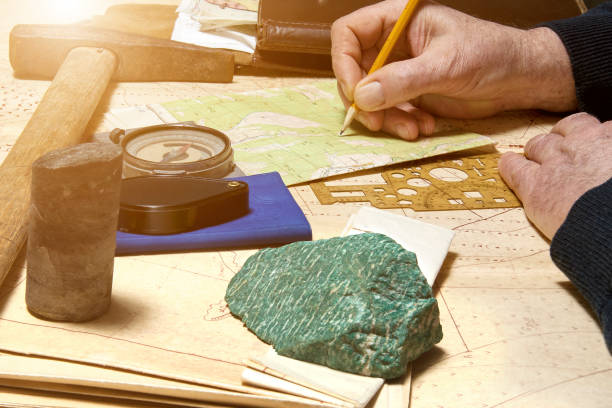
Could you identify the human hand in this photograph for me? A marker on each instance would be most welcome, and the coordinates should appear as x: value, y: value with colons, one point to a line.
x: 448, y: 64
x: 558, y: 167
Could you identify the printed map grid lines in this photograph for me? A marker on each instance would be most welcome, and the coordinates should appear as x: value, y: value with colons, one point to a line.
x: 522, y: 306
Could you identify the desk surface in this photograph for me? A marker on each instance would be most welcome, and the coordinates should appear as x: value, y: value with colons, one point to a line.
x: 516, y: 332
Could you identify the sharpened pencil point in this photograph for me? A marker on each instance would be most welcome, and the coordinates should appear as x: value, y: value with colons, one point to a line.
x: 350, y: 115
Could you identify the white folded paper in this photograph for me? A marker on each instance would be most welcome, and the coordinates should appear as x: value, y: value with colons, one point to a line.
x: 429, y: 242
x: 310, y: 380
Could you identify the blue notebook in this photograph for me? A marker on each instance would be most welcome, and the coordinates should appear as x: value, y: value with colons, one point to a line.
x: 274, y: 219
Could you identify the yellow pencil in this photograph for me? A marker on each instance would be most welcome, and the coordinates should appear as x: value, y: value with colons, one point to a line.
x: 380, y: 60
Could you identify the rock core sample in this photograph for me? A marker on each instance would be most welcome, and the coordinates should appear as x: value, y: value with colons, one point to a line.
x: 71, y: 236
x: 358, y: 304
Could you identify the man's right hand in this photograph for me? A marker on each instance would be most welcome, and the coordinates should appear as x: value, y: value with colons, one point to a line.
x: 446, y: 63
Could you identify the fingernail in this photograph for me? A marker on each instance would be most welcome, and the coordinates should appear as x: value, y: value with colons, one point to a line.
x: 404, y: 132
x: 428, y: 128
x: 369, y: 96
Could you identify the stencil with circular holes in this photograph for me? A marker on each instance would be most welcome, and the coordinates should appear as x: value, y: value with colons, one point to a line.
x: 471, y: 182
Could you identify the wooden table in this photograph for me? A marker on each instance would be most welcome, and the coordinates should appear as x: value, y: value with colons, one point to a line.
x: 516, y: 332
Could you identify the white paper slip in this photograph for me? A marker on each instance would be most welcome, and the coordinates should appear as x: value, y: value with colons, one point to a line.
x: 189, y: 30
x: 343, y: 389
x: 429, y: 242
x: 262, y: 380
x: 212, y: 16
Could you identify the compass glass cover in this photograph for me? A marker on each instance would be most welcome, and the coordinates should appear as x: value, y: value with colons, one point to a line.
x: 175, y: 146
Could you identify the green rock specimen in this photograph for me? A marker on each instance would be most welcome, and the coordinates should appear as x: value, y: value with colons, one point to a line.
x: 358, y: 304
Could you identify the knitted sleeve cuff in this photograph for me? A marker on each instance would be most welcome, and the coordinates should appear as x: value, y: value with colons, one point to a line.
x: 582, y: 249
x: 588, y: 40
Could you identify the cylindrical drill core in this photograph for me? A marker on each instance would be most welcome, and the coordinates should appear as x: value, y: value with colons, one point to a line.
x: 72, y: 227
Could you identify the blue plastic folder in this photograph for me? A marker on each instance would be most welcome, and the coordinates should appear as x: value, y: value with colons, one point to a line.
x: 274, y: 219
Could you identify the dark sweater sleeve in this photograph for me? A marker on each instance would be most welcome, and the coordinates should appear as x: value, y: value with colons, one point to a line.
x: 582, y: 249
x: 588, y: 40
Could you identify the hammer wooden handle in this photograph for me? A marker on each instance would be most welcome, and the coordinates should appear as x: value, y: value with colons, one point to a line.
x: 59, y: 121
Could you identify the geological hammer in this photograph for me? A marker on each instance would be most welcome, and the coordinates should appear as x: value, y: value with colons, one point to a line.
x: 82, y: 61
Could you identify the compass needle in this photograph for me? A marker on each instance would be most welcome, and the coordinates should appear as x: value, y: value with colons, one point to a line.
x: 176, y: 154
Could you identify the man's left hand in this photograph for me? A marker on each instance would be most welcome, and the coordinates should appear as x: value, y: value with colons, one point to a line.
x: 558, y: 167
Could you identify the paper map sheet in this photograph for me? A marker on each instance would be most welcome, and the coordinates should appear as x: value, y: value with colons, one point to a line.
x: 294, y: 131
x: 516, y: 332
x: 167, y: 317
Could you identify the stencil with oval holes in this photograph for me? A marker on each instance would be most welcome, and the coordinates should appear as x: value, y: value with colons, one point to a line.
x: 471, y: 182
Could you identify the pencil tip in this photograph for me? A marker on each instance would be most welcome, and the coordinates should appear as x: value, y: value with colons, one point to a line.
x: 350, y: 114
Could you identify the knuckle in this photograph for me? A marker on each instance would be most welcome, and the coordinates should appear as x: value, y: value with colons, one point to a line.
x: 565, y: 121
x: 607, y: 128
x: 577, y: 116
x: 508, y: 165
x: 520, y: 178
x: 534, y: 144
x: 580, y: 117
x: 337, y: 28
x: 577, y: 121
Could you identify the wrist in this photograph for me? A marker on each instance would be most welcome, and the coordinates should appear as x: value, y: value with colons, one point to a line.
x: 546, y: 72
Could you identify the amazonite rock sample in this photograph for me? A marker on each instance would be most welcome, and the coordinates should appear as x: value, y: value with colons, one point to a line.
x: 358, y: 304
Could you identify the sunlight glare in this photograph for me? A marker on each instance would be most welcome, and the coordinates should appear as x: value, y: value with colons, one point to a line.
x: 68, y: 11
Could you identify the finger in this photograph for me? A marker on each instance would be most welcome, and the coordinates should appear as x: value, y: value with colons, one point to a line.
x: 367, y: 59
x: 519, y: 173
x: 402, y: 81
x: 544, y: 147
x: 404, y: 121
x: 425, y: 121
x: 402, y: 124
x: 575, y: 125
x: 372, y: 120
x: 351, y: 35
x: 346, y: 59
x: 345, y: 101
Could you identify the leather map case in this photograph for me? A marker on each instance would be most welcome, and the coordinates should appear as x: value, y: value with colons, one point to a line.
x: 294, y: 35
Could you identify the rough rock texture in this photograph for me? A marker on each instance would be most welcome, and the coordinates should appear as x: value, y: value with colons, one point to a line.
x: 71, y: 233
x: 358, y: 304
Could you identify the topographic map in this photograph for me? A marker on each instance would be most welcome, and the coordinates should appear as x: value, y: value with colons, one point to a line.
x: 294, y: 130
